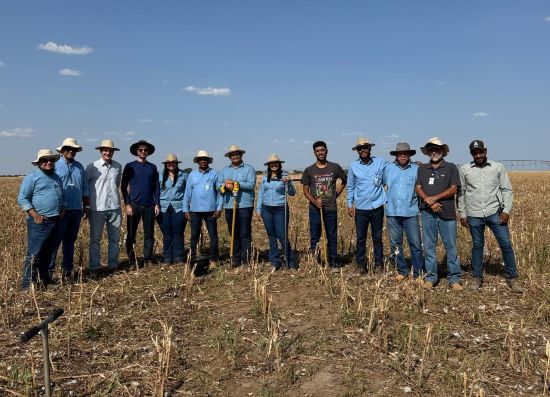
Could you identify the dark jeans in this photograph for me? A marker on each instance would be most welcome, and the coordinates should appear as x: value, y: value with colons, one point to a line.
x: 211, y: 226
x: 274, y: 222
x: 375, y: 218
x: 147, y: 214
x: 502, y: 234
x: 67, y: 234
x: 243, y: 234
x: 40, y: 244
x: 411, y: 226
x: 331, y: 230
x: 172, y: 224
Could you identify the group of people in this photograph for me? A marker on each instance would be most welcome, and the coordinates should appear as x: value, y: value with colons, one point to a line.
x: 61, y: 192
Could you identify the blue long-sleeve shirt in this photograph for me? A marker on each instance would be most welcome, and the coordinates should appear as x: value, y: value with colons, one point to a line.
x: 365, y: 184
x: 245, y: 175
x: 75, y: 183
x: 401, y: 193
x: 201, y: 192
x: 172, y: 194
x: 43, y: 192
x: 143, y: 180
x: 272, y: 193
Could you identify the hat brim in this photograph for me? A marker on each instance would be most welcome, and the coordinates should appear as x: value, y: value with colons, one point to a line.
x: 425, y: 148
x: 133, y: 148
x: 210, y: 159
x: 363, y: 144
x: 274, y: 161
x: 53, y: 156
x: 107, y: 147
x: 235, y: 151
x: 60, y: 148
x: 411, y: 152
x: 170, y: 161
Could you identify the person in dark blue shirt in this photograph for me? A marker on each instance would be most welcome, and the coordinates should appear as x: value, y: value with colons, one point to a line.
x: 141, y: 194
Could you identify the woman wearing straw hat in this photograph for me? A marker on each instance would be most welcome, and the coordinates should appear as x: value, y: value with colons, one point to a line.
x: 272, y: 208
x: 171, y: 218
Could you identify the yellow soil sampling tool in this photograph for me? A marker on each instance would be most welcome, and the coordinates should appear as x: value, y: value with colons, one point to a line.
x: 235, y: 193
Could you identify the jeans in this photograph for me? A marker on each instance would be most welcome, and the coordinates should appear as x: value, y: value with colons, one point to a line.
x: 331, y: 232
x: 411, y: 226
x: 502, y: 234
x: 274, y: 222
x: 147, y: 214
x: 431, y: 225
x: 40, y: 244
x: 242, y: 251
x: 211, y: 226
x: 376, y: 219
x: 98, y: 219
x: 67, y: 233
x: 172, y: 224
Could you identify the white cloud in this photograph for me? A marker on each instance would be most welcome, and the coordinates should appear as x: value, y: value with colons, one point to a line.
x: 547, y: 19
x: 208, y: 91
x: 170, y: 121
x: 351, y: 133
x: 393, y: 136
x: 145, y: 120
x: 481, y: 114
x: 440, y: 83
x: 110, y: 133
x: 91, y: 140
x: 69, y: 72
x: 284, y: 140
x: 129, y: 133
x: 2, y: 64
x: 18, y: 133
x: 64, y: 49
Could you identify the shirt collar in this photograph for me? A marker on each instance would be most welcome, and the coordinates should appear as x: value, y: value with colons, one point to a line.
x: 239, y: 166
x: 368, y: 162
x: 403, y: 168
x: 473, y: 164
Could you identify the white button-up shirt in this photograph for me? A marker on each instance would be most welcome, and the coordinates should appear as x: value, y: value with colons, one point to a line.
x: 104, y: 182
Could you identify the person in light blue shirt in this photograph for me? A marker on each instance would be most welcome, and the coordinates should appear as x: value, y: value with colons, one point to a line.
x: 240, y: 177
x: 366, y: 192
x: 41, y: 198
x: 272, y: 208
x: 171, y: 219
x: 77, y: 196
x: 104, y: 177
x: 402, y: 210
x: 203, y: 201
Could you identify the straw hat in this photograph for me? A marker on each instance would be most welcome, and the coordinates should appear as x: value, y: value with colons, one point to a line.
x: 403, y: 147
x: 233, y: 149
x: 202, y: 153
x: 45, y: 154
x: 69, y: 142
x: 362, y: 141
x: 134, y: 147
x: 171, y: 158
x: 435, y: 141
x: 273, y: 158
x: 107, y: 144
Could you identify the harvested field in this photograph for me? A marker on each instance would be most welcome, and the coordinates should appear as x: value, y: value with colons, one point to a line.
x: 162, y: 331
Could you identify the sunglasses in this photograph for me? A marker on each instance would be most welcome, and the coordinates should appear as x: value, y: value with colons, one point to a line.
x: 363, y: 149
x: 45, y: 161
x: 202, y: 159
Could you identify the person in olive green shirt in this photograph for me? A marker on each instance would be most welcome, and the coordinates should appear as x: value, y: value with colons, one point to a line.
x: 485, y: 199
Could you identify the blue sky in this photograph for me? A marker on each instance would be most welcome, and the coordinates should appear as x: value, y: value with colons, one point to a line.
x: 273, y: 77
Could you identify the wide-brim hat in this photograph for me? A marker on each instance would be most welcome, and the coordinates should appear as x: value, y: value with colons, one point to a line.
x: 202, y: 154
x: 45, y: 154
x: 435, y: 141
x: 403, y: 147
x: 362, y: 141
x: 107, y: 144
x: 69, y: 142
x: 233, y: 149
x: 273, y: 158
x: 133, y: 148
x: 171, y: 158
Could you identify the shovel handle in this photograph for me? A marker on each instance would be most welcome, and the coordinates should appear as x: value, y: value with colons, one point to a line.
x: 31, y: 332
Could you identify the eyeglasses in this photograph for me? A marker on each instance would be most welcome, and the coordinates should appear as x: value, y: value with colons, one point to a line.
x: 363, y: 149
x: 202, y: 159
x: 239, y: 154
x: 70, y: 149
x: 44, y: 161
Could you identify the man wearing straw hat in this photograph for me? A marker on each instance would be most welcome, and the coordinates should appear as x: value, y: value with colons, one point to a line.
x: 437, y: 184
x: 41, y: 198
x: 141, y: 193
x: 486, y: 200
x: 77, y: 197
x: 202, y: 201
x: 366, y: 192
x: 104, y: 177
x: 402, y: 210
x: 240, y: 178
x: 320, y: 188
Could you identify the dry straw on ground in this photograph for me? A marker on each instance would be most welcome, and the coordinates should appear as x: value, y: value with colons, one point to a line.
x: 160, y: 331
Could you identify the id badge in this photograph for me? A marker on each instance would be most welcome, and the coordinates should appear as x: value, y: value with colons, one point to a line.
x: 431, y: 181
x: 207, y: 187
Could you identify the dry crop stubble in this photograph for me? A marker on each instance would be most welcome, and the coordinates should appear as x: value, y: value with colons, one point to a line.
x: 159, y: 329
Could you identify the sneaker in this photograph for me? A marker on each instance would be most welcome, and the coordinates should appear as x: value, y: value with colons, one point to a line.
x: 428, y: 285
x: 418, y: 280
x: 475, y: 284
x: 513, y: 283
x: 400, y: 277
x: 456, y: 287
